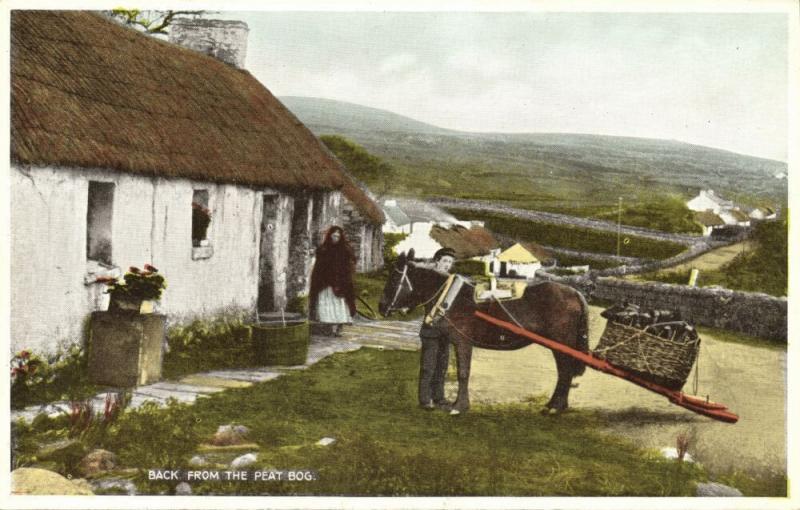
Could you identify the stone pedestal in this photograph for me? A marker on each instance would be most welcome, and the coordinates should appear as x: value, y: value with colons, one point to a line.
x: 125, y: 349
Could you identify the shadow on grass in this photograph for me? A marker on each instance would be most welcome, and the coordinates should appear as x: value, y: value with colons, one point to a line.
x: 642, y: 416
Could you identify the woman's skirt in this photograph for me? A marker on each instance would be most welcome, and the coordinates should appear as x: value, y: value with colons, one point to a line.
x: 332, y: 308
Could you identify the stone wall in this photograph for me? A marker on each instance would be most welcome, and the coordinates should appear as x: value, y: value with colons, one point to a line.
x: 365, y: 237
x: 751, y: 313
x: 562, y: 219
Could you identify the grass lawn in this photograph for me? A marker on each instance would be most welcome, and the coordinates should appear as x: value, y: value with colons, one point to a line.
x: 385, y: 445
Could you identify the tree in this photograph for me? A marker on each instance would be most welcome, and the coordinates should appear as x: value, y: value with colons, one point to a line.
x: 371, y: 170
x: 151, y: 22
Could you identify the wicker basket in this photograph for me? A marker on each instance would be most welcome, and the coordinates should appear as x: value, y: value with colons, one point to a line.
x: 659, y: 360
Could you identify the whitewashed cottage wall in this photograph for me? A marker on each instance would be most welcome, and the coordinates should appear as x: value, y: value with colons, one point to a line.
x: 152, y: 221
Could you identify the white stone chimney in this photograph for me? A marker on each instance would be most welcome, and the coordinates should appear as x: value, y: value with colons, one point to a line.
x: 222, y: 39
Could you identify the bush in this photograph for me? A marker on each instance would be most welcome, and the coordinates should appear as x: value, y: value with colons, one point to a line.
x: 36, y: 380
x: 764, y: 269
x: 207, y: 345
x: 389, y: 253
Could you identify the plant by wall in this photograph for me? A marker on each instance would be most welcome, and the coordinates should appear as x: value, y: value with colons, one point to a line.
x: 137, y: 284
x: 36, y: 379
x: 222, y: 342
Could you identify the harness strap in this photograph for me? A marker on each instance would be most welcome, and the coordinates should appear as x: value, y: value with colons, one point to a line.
x: 403, y: 279
x: 435, y: 310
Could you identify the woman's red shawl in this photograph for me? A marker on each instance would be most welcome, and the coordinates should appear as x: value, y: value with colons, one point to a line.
x: 334, y: 267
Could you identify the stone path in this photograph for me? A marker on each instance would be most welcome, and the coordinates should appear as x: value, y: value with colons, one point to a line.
x: 395, y: 335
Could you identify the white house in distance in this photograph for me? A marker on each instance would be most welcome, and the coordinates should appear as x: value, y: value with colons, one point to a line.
x: 429, y: 228
x: 763, y: 213
x: 708, y: 200
x: 117, y: 141
x: 521, y: 260
x: 711, y: 208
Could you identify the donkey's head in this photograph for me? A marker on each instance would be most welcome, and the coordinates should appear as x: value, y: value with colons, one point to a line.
x: 399, y: 292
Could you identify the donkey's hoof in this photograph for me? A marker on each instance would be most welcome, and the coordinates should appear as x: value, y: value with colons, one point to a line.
x: 550, y: 411
x: 455, y: 412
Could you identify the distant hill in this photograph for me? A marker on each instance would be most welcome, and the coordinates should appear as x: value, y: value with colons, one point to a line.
x: 577, y: 173
x: 330, y: 114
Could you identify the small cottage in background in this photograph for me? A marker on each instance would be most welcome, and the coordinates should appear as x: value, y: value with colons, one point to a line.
x: 763, y: 213
x: 708, y: 200
x: 521, y: 260
x: 711, y: 208
x: 709, y: 221
x: 422, y: 217
x: 126, y: 150
x: 469, y: 240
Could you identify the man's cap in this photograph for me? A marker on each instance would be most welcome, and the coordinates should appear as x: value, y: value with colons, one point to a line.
x: 442, y: 252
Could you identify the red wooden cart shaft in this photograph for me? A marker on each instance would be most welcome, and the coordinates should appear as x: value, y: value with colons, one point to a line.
x: 697, y: 405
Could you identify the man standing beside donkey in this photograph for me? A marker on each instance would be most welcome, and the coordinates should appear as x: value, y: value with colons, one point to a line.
x: 435, y: 351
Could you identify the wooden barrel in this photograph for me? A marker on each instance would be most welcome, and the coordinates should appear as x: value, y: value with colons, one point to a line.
x: 280, y: 342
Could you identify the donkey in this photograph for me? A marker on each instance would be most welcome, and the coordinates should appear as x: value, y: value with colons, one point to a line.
x: 549, y: 309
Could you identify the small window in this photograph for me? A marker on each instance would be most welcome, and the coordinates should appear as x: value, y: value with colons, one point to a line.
x: 201, y: 217
x: 99, y: 217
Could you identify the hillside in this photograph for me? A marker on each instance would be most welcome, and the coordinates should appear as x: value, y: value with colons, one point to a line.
x: 330, y: 114
x: 575, y: 173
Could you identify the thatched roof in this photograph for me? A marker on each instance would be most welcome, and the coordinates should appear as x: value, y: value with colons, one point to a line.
x: 739, y: 216
x: 466, y: 242
x: 538, y: 251
x: 352, y: 190
x: 708, y: 219
x: 87, y: 92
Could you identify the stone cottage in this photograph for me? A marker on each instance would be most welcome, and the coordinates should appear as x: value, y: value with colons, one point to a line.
x: 123, y: 147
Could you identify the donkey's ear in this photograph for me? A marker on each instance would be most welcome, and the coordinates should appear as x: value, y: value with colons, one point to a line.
x: 401, y: 259
x: 411, y: 254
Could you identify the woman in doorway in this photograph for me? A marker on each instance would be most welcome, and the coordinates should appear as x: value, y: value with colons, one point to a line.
x: 332, y: 297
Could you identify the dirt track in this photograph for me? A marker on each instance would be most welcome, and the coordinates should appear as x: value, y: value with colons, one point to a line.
x: 749, y: 380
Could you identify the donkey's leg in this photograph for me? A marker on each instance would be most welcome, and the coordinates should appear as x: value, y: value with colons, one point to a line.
x: 464, y: 360
x: 560, y: 399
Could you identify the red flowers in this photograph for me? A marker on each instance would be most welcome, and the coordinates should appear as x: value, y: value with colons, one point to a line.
x: 137, y: 284
x: 105, y: 279
x: 23, y: 365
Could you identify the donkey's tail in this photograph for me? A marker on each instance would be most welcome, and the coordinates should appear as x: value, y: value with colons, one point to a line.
x: 582, y: 342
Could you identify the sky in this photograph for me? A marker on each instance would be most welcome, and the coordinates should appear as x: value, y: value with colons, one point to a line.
x: 715, y: 79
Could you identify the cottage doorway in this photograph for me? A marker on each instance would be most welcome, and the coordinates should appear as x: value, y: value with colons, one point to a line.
x: 266, y: 258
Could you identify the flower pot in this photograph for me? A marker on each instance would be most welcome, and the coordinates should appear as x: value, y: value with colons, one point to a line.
x: 130, y: 305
